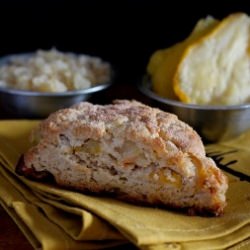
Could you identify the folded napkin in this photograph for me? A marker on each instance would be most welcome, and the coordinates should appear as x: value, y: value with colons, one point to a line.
x: 55, y: 218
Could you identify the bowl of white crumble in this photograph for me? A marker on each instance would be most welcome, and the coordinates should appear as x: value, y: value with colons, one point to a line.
x: 33, y: 85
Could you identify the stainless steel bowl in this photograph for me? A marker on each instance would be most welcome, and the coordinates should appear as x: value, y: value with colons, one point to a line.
x: 29, y: 104
x: 213, y: 123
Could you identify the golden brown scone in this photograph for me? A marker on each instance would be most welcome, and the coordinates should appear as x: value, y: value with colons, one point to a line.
x: 131, y: 150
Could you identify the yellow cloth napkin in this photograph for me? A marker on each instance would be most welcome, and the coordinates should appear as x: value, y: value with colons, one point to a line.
x: 79, y: 221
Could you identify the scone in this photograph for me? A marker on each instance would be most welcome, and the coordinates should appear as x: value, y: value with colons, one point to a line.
x: 129, y: 150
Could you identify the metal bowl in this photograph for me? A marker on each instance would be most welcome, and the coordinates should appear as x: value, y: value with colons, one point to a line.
x: 30, y: 104
x: 213, y: 123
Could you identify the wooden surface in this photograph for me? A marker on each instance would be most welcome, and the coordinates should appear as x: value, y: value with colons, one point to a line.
x: 11, y: 238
